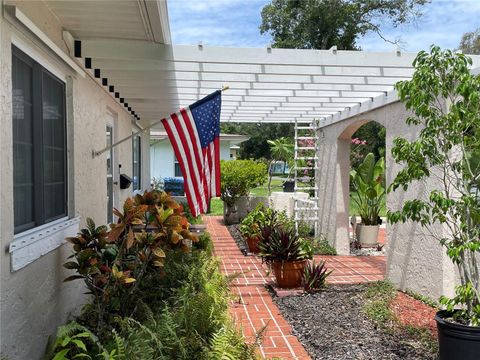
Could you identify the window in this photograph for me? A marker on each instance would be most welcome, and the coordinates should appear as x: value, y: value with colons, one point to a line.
x: 136, y: 156
x: 39, y: 144
x: 177, y: 169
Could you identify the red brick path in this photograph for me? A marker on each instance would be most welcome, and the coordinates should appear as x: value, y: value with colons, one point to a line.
x: 254, y: 309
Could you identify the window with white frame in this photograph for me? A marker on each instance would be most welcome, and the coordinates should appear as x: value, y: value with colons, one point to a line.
x: 136, y: 166
x: 176, y: 167
x: 39, y: 144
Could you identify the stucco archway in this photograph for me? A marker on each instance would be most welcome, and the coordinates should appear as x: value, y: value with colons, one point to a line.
x: 414, y: 261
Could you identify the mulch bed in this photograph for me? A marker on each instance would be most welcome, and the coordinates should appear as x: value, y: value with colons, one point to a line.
x: 413, y: 312
x: 332, y: 325
x: 237, y: 236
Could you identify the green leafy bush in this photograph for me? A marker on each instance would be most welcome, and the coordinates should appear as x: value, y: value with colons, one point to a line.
x: 444, y: 96
x: 239, y: 177
x: 321, y: 246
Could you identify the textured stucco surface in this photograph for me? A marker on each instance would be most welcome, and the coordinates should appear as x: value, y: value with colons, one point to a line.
x: 414, y: 260
x: 34, y: 300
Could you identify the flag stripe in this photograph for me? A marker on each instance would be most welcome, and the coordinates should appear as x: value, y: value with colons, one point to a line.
x: 173, y: 140
x: 192, y: 170
x: 197, y: 151
x: 217, y: 166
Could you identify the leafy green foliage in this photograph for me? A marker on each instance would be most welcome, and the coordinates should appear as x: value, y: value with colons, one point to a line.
x: 114, y: 263
x: 261, y: 217
x: 368, y: 181
x: 315, y: 276
x: 321, y: 24
x: 239, y: 177
x: 369, y: 138
x: 444, y: 98
x: 281, y: 150
x: 321, y: 246
x: 180, y: 313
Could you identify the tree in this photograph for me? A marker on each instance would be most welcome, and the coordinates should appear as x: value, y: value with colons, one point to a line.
x: 257, y: 147
x: 470, y: 42
x: 321, y: 24
x: 281, y: 149
x: 444, y: 98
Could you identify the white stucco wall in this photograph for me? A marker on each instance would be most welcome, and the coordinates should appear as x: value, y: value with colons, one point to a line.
x: 414, y: 261
x: 34, y: 299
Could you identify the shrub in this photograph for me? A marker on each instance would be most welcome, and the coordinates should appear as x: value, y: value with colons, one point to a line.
x: 321, y: 246
x: 114, y: 263
x: 239, y: 177
x: 443, y: 96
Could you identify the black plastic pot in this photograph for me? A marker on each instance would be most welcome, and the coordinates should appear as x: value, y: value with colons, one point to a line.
x: 456, y: 341
x: 289, y: 186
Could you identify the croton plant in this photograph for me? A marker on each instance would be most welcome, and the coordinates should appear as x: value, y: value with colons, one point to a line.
x: 113, y: 260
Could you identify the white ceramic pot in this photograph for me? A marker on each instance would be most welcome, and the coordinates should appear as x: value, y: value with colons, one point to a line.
x: 367, y: 235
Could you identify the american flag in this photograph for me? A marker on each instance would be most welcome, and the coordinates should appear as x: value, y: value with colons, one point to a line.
x: 194, y: 133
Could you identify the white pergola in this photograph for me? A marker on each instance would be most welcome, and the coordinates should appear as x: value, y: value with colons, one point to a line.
x: 265, y: 85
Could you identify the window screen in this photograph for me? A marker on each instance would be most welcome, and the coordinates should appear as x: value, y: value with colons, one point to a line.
x: 39, y: 144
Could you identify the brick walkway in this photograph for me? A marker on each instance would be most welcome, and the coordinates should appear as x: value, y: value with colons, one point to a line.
x: 253, y: 307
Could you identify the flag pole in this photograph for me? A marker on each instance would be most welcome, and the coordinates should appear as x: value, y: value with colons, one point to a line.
x: 100, y: 152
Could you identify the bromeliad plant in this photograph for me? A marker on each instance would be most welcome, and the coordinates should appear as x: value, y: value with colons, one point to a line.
x: 368, y: 182
x: 283, y: 245
x: 445, y: 100
x: 113, y: 263
x: 315, y: 276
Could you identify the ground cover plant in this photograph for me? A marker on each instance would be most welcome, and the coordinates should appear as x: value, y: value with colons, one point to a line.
x: 157, y: 291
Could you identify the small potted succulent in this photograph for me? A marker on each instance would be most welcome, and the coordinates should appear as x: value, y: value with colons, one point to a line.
x: 368, y: 181
x: 286, y: 253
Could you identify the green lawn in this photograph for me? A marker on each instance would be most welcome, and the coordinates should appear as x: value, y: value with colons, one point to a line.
x: 262, y: 190
x: 216, y: 204
x: 216, y: 207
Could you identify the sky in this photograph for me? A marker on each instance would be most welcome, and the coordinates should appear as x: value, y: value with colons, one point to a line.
x: 236, y: 23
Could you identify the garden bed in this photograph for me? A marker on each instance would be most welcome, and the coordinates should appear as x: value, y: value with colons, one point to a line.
x: 334, y: 324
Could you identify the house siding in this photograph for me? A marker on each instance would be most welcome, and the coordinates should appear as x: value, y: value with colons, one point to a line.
x: 34, y: 299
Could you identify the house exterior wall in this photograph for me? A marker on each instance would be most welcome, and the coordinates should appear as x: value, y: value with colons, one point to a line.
x: 34, y: 299
x: 414, y: 260
x: 162, y: 157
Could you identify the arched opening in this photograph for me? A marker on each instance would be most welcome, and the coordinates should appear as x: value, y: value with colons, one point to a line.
x: 354, y: 206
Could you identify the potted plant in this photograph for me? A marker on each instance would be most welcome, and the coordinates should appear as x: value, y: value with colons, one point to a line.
x: 286, y: 253
x: 368, y: 182
x: 238, y: 177
x: 251, y: 225
x: 443, y: 96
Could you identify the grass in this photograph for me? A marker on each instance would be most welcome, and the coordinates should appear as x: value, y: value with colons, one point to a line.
x: 378, y: 297
x: 216, y: 207
x: 262, y: 190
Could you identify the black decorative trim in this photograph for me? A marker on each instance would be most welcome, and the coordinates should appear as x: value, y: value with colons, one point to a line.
x: 77, y: 48
x: 122, y: 100
x: 126, y: 104
x: 117, y: 95
x: 111, y: 88
x: 129, y: 108
x: 104, y: 81
x: 96, y: 72
x: 88, y: 63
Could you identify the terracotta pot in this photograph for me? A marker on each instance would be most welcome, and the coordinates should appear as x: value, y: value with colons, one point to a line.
x: 367, y: 235
x: 252, y: 242
x: 288, y: 273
